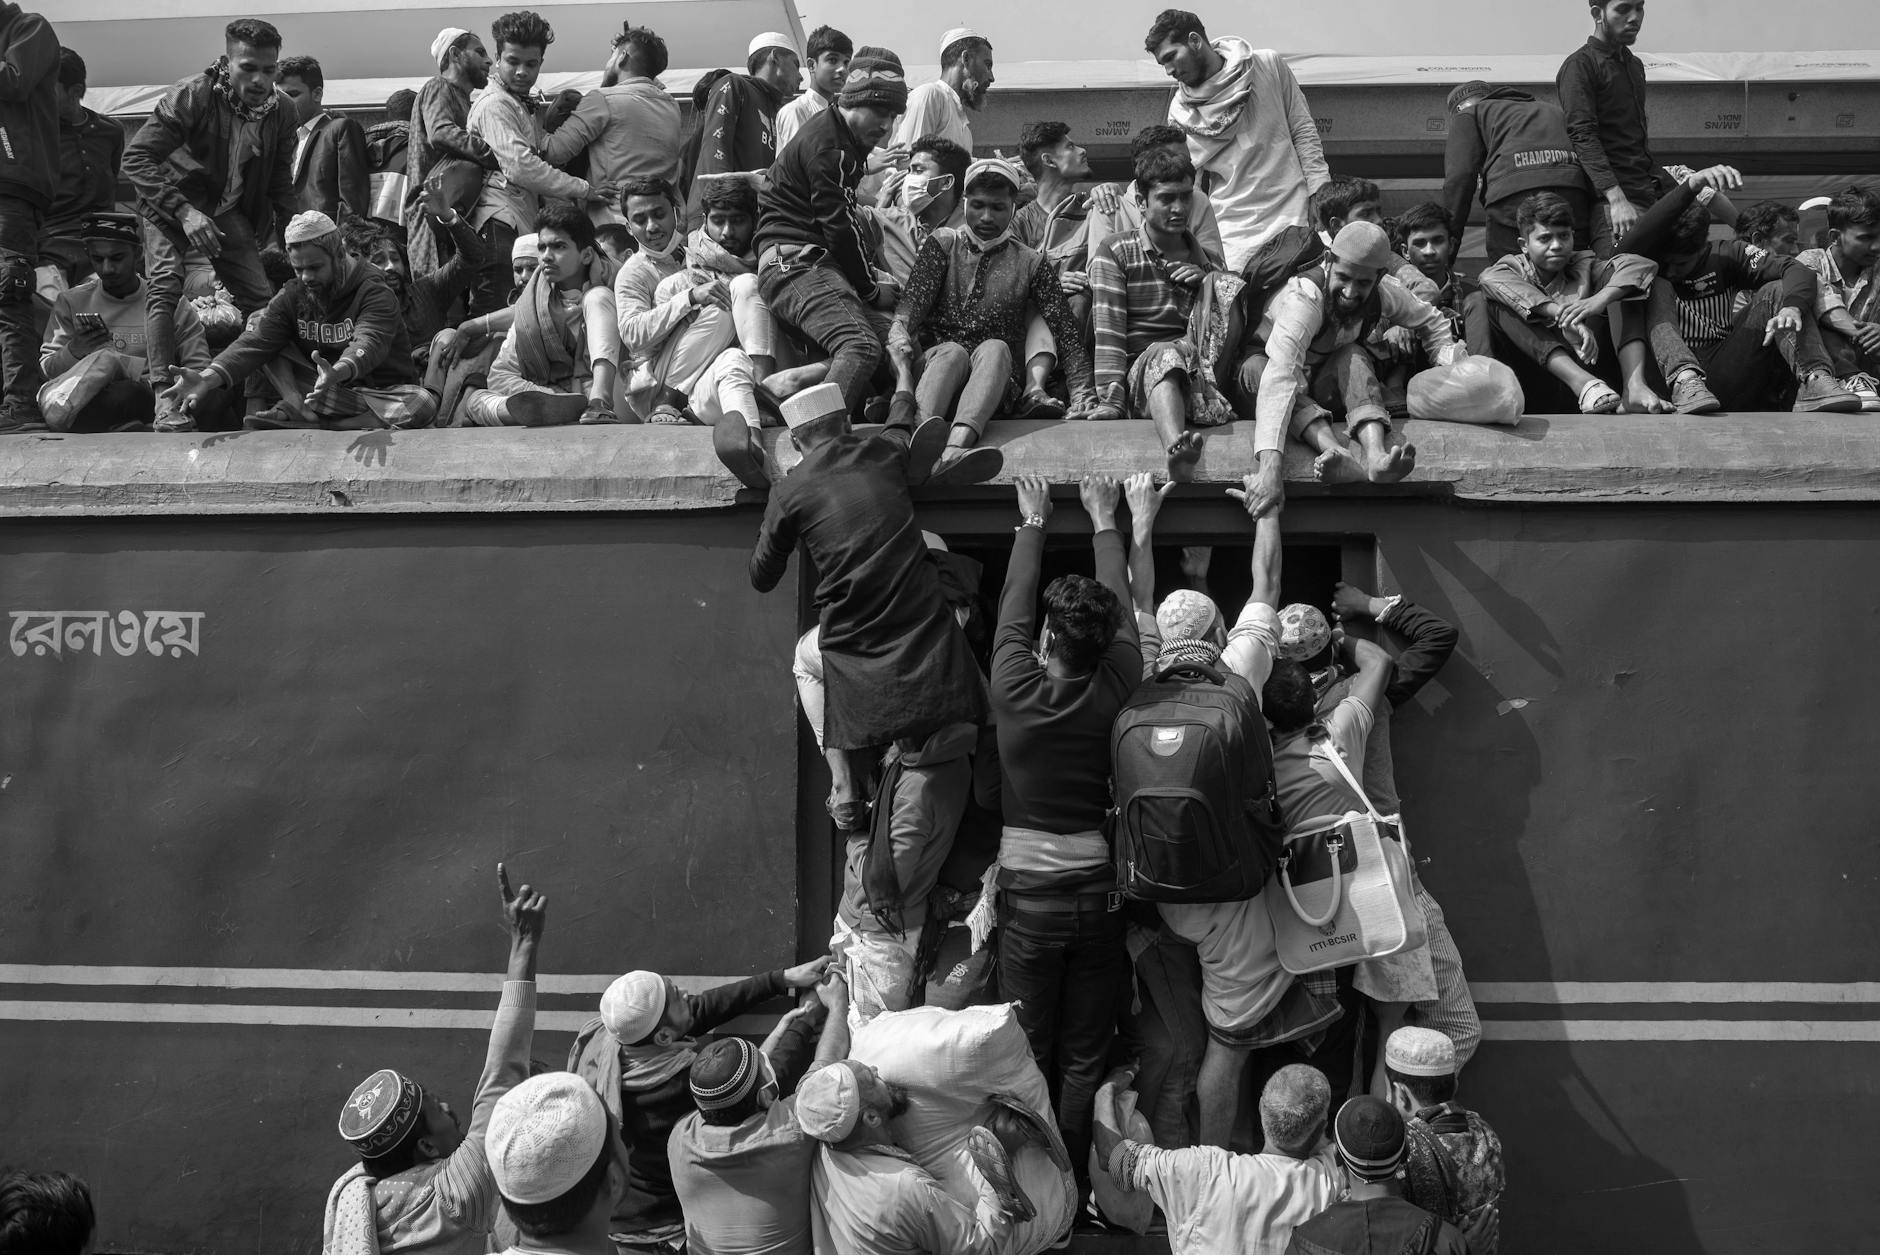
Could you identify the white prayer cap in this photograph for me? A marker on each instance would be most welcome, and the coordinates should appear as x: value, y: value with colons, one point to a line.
x: 441, y: 45
x: 632, y: 1006
x: 829, y: 1102
x: 813, y: 403
x: 1414, y: 1051
x: 955, y: 35
x: 309, y: 227
x: 544, y: 1136
x: 525, y: 246
x: 771, y: 39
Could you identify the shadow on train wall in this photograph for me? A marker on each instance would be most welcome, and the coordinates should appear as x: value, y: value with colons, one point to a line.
x: 1639, y: 791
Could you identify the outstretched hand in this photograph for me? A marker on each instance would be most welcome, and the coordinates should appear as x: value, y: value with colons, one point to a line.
x: 1144, y: 498
x: 524, y: 910
x: 1262, y: 492
x: 1034, y: 496
x: 804, y: 975
x: 1350, y: 602
x: 1099, y: 494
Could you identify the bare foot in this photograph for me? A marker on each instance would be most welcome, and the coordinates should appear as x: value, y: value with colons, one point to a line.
x: 1640, y: 399
x: 789, y: 382
x: 1390, y: 465
x: 1339, y: 465
x: 1182, y: 456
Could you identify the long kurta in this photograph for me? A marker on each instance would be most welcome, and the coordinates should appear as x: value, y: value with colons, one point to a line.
x: 895, y: 662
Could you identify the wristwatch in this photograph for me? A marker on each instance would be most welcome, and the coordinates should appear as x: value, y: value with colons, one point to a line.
x: 1031, y: 520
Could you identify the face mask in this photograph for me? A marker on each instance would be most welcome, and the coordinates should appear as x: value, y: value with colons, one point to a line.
x: 986, y: 246
x: 921, y: 190
x: 673, y: 243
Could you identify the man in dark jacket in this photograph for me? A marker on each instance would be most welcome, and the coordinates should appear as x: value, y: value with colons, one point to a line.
x: 739, y: 127
x: 332, y: 343
x: 330, y: 165
x: 192, y: 196
x: 91, y: 147
x: 814, y: 266
x: 1505, y: 145
x: 29, y: 175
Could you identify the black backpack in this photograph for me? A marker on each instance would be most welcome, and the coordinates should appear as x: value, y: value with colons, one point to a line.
x: 1196, y: 815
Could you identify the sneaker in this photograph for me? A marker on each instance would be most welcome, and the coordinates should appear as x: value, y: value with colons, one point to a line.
x: 1692, y: 395
x: 1867, y: 388
x: 20, y: 417
x: 1821, y: 393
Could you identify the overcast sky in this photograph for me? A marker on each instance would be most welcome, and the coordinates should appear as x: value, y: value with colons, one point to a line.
x: 1052, y: 30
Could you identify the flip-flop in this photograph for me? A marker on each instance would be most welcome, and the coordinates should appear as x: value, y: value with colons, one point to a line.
x: 1605, y: 400
x: 670, y: 416
x: 994, y: 1165
x: 600, y: 418
x: 1038, y: 405
x: 973, y: 466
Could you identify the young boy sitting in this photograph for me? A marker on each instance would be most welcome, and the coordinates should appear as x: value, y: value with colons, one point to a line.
x: 1772, y: 226
x: 558, y: 358
x: 1847, y: 300
x: 968, y: 302
x: 1746, y: 321
x: 1546, y: 302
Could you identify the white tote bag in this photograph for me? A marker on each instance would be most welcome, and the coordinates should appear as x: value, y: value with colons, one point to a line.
x: 1342, y: 892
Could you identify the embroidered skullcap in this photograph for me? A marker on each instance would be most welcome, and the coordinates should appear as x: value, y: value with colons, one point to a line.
x: 829, y: 1102
x: 1303, y: 632
x: 1187, y: 614
x: 959, y: 34
x: 1369, y: 1133
x: 1413, y: 1051
x: 1364, y: 244
x: 381, y: 1112
x: 725, y: 1073
x: 440, y: 47
x: 875, y: 78
x: 1475, y: 89
x: 998, y: 166
x: 117, y: 228
x: 525, y: 247
x: 310, y: 226
x: 632, y: 1006
x: 811, y: 404
x: 544, y: 1136
x: 771, y: 39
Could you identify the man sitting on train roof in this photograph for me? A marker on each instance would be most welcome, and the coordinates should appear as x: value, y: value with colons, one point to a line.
x: 331, y: 343
x: 1847, y: 303
x: 638, y: 1055
x: 422, y: 1183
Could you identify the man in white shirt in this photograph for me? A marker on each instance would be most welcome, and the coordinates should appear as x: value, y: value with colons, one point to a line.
x: 1220, y: 1203
x: 939, y: 108
x: 828, y: 53
x: 1249, y: 130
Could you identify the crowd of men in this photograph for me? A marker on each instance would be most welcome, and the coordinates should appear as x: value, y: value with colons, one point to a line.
x: 841, y: 256
x: 487, y: 256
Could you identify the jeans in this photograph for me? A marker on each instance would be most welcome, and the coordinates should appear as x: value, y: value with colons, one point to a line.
x: 1069, y: 972
x: 823, y: 305
x: 19, y: 338
x: 977, y: 381
x: 1846, y: 357
x: 489, y: 290
x: 1746, y: 375
x: 238, y: 266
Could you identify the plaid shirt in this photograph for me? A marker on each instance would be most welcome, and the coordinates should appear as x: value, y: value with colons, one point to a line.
x: 1859, y: 294
x: 1133, y: 305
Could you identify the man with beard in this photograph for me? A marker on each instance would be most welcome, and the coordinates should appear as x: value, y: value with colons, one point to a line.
x: 939, y: 108
x: 876, y: 1199
x: 508, y: 120
x: 739, y: 130
x: 94, y: 357
x: 1252, y: 139
x: 331, y: 343
x: 424, y: 302
x: 828, y: 52
x: 91, y: 147
x: 628, y: 127
x: 439, y: 133
x: 194, y: 196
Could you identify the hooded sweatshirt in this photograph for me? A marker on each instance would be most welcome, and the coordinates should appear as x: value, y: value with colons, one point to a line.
x: 361, y: 323
x: 29, y: 107
x: 1504, y: 144
x: 1376, y: 1226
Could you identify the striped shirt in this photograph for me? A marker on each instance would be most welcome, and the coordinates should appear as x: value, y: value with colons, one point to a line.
x: 1133, y: 305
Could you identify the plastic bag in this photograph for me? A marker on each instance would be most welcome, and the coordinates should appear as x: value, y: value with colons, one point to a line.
x: 1129, y: 1209
x: 1473, y: 390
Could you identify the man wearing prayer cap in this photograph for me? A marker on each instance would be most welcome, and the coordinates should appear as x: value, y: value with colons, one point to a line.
x: 741, y: 1162
x: 423, y: 1183
x: 1374, y: 1218
x: 333, y: 344
x: 438, y: 134
x: 1503, y: 146
x: 553, y: 1157
x: 874, y: 1196
x: 939, y: 108
x: 896, y: 665
x: 638, y: 1055
x: 738, y: 130
x: 1311, y: 363
x: 94, y: 356
x: 1452, y: 1159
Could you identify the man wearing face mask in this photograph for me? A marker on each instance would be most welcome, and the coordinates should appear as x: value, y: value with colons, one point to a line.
x: 928, y: 198
x: 939, y: 108
x: 741, y: 1162
x: 638, y: 1055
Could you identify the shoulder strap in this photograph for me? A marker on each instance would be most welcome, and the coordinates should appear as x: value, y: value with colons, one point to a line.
x: 1338, y: 761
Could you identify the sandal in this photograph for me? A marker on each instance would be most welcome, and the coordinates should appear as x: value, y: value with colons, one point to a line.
x: 670, y: 416
x: 597, y: 415
x: 1041, y: 405
x: 1597, y: 397
x: 996, y: 1167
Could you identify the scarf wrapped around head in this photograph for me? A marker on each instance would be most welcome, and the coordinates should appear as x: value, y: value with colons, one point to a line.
x: 543, y: 347
x: 219, y: 80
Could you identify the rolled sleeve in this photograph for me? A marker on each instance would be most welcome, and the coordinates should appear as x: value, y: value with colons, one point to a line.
x: 1297, y: 312
x: 1253, y: 644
